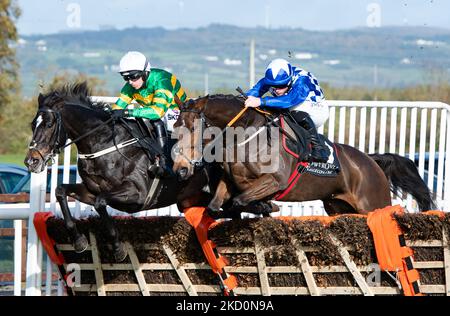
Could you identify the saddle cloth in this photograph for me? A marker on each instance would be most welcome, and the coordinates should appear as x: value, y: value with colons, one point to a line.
x: 302, y: 148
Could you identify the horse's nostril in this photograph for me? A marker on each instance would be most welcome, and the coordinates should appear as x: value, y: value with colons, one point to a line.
x: 183, y: 172
x: 31, y: 161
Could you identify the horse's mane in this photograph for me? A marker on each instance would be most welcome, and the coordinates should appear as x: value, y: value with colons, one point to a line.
x: 74, y: 93
x: 229, y: 99
x: 225, y: 97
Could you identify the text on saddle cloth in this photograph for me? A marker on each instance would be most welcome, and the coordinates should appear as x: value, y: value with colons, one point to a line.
x: 301, y: 150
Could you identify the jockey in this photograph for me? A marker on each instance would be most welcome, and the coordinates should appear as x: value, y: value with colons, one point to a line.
x: 299, y: 91
x: 157, y: 92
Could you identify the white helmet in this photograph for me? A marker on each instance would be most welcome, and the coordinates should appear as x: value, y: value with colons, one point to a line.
x: 133, y: 61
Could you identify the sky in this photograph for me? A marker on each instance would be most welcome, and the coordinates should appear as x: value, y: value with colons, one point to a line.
x: 52, y: 16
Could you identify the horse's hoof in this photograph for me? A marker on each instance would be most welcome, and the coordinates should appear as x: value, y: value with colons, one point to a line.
x: 81, y: 244
x: 213, y: 213
x: 120, y: 253
x: 275, y: 208
x: 237, y: 203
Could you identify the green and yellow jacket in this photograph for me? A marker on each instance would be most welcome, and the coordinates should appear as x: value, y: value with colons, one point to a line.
x: 156, y: 96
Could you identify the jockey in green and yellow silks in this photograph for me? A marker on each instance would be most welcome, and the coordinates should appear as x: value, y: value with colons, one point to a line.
x: 157, y: 92
x: 155, y: 97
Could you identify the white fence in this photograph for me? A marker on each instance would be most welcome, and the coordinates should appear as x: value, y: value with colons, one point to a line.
x: 405, y: 128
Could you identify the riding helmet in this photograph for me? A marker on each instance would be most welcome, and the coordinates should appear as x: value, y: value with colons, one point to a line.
x: 278, y: 73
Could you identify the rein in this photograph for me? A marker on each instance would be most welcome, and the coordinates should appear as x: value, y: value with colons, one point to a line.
x: 199, y: 163
x: 58, y: 146
x: 88, y: 133
x: 57, y: 134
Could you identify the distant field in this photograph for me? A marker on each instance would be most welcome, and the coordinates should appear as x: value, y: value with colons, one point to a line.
x: 403, y: 56
x: 13, y: 158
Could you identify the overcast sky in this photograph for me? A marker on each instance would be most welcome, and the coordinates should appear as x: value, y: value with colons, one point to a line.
x: 51, y: 16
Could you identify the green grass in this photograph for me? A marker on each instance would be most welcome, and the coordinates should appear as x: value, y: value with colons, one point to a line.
x: 13, y: 158
x: 6, y: 255
x: 6, y: 266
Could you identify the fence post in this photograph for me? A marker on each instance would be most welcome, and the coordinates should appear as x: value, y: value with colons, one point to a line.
x: 34, y: 246
x: 18, y: 257
x: 447, y: 167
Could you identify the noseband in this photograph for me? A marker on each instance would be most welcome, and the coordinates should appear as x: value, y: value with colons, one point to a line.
x: 196, y: 163
x: 55, y: 135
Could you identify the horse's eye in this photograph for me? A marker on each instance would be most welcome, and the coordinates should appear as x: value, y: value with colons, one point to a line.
x: 49, y: 124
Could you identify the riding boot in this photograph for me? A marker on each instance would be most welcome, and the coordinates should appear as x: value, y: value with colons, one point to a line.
x: 319, y: 151
x: 163, y: 168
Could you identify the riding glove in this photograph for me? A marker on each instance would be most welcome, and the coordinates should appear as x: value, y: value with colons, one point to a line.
x: 117, y: 114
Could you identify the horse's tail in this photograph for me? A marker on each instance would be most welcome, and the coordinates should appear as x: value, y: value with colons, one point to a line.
x: 402, y: 173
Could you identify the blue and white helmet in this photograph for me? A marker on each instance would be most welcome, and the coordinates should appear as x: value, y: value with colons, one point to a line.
x: 278, y: 73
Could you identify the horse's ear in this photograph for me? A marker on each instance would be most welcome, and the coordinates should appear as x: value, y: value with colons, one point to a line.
x: 41, y: 99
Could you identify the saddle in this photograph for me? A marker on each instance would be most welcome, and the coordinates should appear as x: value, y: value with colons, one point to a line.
x: 146, y: 128
x: 147, y: 137
x: 296, y: 141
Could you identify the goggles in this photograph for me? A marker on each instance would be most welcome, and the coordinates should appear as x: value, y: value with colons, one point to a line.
x: 132, y: 76
x: 281, y: 87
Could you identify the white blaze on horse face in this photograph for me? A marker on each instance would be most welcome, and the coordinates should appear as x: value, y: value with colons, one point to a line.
x: 39, y: 121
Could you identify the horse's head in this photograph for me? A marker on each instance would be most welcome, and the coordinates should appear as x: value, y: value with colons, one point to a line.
x: 201, y: 121
x: 187, y: 152
x: 48, y: 132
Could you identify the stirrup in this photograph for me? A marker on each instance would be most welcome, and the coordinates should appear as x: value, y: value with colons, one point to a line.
x: 156, y: 170
x: 162, y: 170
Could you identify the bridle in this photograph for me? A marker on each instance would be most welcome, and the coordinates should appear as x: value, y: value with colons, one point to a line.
x: 199, y: 162
x: 57, y: 146
x: 56, y: 135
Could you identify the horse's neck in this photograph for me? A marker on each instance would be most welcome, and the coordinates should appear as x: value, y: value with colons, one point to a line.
x: 78, y: 122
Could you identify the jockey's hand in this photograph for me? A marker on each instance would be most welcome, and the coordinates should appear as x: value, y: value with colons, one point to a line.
x: 117, y: 114
x: 252, y: 102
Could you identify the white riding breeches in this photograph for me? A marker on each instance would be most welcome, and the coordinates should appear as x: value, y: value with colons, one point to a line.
x: 170, y: 118
x: 318, y: 111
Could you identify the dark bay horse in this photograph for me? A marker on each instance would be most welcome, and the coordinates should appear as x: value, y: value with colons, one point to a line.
x: 118, y: 178
x: 362, y: 185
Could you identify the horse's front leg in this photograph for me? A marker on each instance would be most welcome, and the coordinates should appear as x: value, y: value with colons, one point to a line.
x: 79, y: 192
x: 259, y: 189
x: 118, y: 248
x: 221, y: 196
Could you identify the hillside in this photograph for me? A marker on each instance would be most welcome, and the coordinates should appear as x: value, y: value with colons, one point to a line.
x: 403, y: 56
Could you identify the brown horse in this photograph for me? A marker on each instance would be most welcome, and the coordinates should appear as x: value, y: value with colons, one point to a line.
x: 362, y: 185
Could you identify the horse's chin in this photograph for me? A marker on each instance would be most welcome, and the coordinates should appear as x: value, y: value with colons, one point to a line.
x: 35, y: 165
x: 183, y: 174
x: 38, y: 168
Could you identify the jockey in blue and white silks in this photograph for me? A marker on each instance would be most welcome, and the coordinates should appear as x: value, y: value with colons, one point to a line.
x: 299, y: 91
